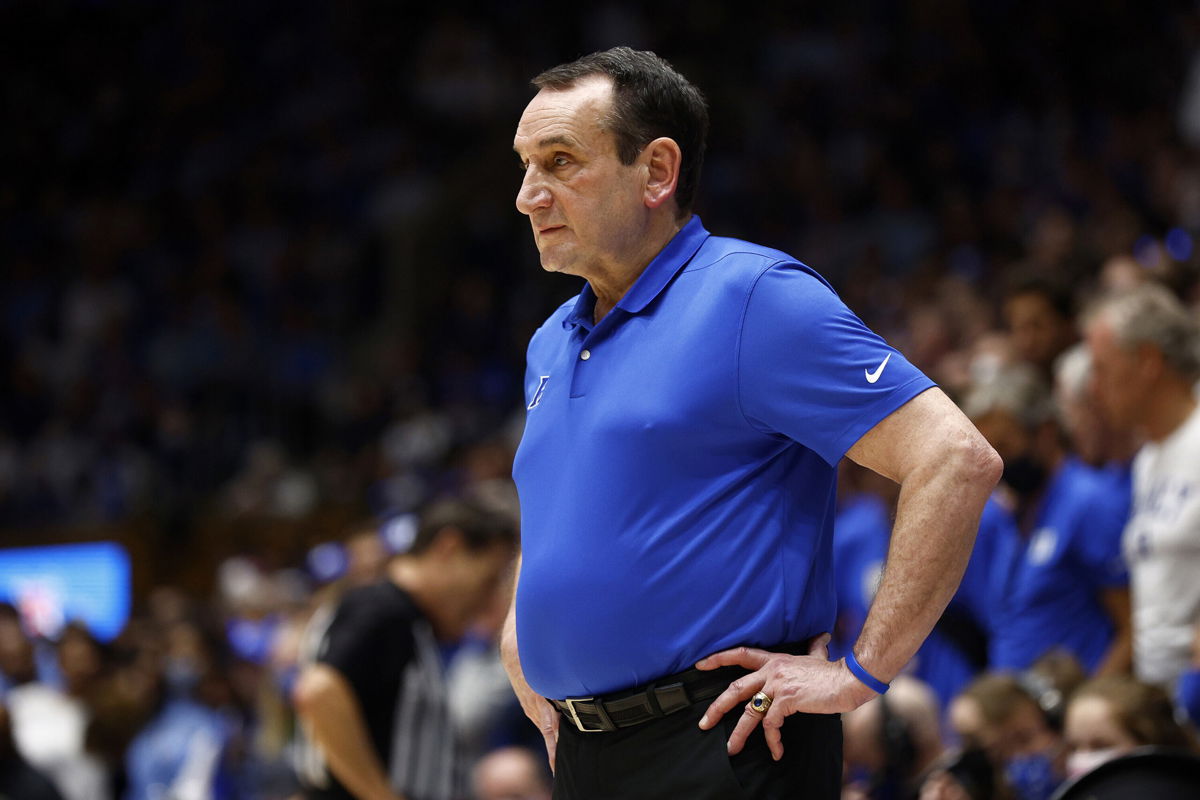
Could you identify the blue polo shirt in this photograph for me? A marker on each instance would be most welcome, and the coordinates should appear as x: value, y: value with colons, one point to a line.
x: 677, y: 470
x: 1046, y: 588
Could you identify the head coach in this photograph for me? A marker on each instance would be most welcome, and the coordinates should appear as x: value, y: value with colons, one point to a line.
x: 685, y: 416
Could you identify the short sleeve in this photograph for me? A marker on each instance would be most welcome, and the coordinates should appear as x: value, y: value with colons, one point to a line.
x: 369, y: 640
x: 810, y: 370
x: 1098, y: 543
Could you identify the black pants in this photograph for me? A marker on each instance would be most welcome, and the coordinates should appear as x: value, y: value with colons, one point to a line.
x: 672, y: 759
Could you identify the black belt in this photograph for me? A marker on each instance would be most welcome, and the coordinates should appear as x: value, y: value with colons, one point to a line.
x: 635, y: 706
x: 659, y: 698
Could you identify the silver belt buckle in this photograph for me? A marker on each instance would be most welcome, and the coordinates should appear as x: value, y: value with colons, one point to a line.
x: 570, y: 704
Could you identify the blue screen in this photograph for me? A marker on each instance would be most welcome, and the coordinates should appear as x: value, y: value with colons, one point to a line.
x: 54, y: 585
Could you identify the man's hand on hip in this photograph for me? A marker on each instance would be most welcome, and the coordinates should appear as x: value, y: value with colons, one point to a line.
x: 542, y: 714
x: 810, y: 683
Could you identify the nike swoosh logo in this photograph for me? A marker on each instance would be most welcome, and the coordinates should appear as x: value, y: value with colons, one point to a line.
x: 874, y: 376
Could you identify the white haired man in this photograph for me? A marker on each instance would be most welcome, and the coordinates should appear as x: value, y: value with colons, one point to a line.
x: 1145, y: 349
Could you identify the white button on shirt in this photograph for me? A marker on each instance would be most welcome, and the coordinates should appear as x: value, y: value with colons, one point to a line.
x: 585, y: 355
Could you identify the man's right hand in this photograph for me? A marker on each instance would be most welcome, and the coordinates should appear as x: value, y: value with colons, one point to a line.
x: 536, y: 707
x: 543, y: 715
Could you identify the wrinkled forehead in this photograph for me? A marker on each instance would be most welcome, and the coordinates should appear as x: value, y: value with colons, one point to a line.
x: 565, y: 115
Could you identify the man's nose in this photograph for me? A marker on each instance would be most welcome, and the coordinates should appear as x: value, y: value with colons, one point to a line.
x: 533, y: 193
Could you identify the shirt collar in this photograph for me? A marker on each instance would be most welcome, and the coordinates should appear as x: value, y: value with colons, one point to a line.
x: 666, y: 264
x: 654, y: 277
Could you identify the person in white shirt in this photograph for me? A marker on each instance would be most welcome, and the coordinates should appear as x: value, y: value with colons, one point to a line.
x: 1145, y: 347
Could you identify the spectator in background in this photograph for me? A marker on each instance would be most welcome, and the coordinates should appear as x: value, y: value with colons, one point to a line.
x: 18, y: 780
x: 183, y: 749
x: 50, y: 726
x: 890, y: 741
x: 1145, y: 349
x: 511, y: 773
x: 17, y: 662
x: 1061, y: 580
x: 997, y: 715
x: 1040, y: 320
x: 373, y: 700
x: 1093, y: 440
x: 1107, y: 717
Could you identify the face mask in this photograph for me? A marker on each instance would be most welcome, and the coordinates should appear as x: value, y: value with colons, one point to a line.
x: 1083, y: 761
x: 181, y: 676
x: 1023, y: 475
x: 1032, y: 776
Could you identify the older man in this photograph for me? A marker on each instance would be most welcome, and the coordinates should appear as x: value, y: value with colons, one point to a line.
x: 686, y: 413
x: 1145, y: 349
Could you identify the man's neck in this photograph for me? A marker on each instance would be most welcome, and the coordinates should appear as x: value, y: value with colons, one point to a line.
x: 407, y: 573
x: 609, y: 288
x: 1169, y: 409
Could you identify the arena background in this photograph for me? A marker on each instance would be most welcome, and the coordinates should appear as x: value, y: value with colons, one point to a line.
x: 262, y: 282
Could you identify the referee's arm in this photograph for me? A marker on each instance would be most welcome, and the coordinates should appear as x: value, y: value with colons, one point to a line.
x: 328, y: 707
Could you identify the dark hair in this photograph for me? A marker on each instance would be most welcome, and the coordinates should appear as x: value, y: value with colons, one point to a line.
x: 650, y: 99
x: 480, y: 528
x: 1057, y: 293
x: 1144, y: 711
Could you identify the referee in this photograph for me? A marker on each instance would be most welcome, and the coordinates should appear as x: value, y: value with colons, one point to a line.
x: 685, y: 416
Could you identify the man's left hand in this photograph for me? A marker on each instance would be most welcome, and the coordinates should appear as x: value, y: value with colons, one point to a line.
x: 810, y: 683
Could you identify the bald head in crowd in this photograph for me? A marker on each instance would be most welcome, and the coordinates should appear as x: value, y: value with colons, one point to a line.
x: 511, y: 773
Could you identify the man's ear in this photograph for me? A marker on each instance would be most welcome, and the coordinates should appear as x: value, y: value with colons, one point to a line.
x: 663, y: 159
x: 1150, y: 362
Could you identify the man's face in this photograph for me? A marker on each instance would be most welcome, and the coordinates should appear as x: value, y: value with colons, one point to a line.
x: 1039, y: 333
x: 1089, y: 433
x: 1117, y: 377
x: 586, y: 208
x: 1091, y: 725
x: 1022, y: 732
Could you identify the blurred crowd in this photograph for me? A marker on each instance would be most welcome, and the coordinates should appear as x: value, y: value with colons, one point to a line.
x: 263, y: 263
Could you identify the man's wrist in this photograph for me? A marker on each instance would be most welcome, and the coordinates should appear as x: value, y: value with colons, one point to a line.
x: 863, y: 675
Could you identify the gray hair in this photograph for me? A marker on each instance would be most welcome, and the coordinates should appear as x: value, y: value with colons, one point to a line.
x: 1151, y: 314
x: 1015, y: 389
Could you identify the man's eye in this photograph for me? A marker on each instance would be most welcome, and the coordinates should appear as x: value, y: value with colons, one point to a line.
x: 560, y: 161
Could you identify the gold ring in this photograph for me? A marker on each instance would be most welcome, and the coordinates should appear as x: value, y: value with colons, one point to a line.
x: 760, y: 703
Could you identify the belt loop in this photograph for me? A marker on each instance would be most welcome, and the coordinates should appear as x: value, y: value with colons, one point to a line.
x: 674, y: 695
x: 606, y: 722
x: 652, y: 699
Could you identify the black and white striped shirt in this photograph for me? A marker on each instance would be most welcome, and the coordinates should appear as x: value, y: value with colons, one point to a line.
x: 381, y: 642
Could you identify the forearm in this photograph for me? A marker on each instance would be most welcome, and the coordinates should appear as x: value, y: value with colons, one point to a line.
x: 1118, y: 659
x: 331, y: 712
x: 508, y: 640
x: 510, y: 657
x: 936, y: 521
x: 536, y: 707
x: 508, y: 651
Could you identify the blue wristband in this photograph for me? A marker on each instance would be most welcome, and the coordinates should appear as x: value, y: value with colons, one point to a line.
x: 860, y: 672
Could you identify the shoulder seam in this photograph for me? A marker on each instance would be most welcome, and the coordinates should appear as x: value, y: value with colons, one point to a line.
x: 737, y: 358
